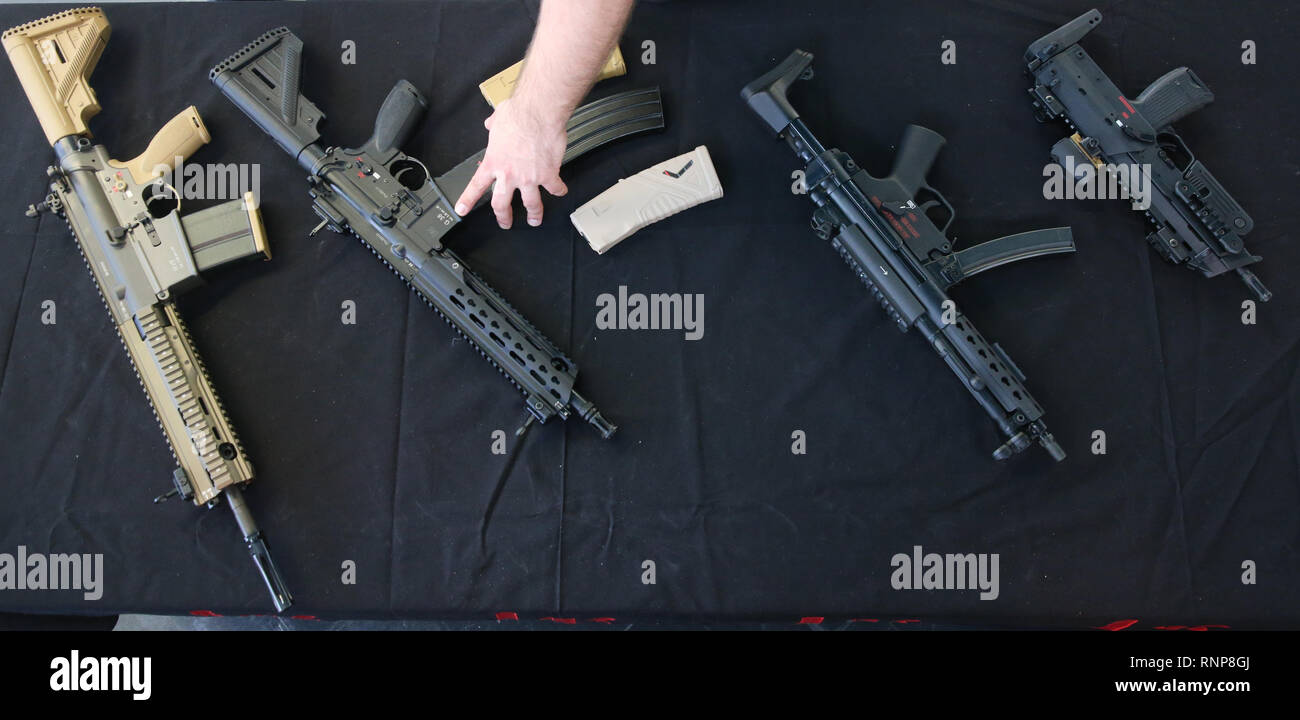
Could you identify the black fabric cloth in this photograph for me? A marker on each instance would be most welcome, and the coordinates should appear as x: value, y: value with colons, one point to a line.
x: 373, y: 441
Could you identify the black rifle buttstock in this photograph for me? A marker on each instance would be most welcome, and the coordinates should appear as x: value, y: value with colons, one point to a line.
x: 1049, y: 45
x: 766, y: 96
x: 263, y: 79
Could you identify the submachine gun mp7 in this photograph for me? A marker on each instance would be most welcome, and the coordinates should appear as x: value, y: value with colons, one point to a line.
x: 1196, y: 222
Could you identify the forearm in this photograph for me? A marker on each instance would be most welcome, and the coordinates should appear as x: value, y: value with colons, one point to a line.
x: 572, y: 42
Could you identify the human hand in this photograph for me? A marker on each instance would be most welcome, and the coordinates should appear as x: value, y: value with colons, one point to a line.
x: 524, y: 152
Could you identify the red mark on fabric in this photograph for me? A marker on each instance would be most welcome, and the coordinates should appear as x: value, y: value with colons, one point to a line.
x: 1118, y: 625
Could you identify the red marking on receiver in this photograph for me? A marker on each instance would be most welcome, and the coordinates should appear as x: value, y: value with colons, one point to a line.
x: 811, y: 620
x: 1130, y: 107
x: 507, y: 616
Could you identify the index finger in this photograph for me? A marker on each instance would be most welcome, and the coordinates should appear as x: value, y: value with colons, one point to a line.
x: 478, y: 184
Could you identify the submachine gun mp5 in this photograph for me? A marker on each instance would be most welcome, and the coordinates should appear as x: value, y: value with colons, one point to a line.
x: 882, y: 229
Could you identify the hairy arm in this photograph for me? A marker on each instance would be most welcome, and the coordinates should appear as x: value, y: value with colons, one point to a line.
x: 526, y: 138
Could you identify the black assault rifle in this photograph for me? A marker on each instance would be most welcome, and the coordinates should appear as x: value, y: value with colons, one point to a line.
x: 392, y: 204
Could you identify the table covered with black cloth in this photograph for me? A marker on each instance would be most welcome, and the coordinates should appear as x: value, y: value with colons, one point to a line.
x: 373, y: 440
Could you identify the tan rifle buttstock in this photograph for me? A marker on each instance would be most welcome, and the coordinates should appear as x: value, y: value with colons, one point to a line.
x: 53, y: 57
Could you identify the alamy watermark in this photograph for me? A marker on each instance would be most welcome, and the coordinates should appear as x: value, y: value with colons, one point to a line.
x: 57, y: 571
x: 954, y: 571
x: 1085, y: 181
x: 208, y: 181
x: 99, y: 674
x: 654, y: 311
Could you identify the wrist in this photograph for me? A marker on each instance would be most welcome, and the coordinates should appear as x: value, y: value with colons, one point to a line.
x: 546, y: 116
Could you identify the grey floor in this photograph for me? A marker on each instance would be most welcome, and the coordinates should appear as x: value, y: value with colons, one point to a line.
x: 182, y: 622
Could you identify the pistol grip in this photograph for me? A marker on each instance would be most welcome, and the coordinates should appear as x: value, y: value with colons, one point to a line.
x: 1172, y: 97
x: 400, y: 114
x: 178, y: 139
x: 917, y: 152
